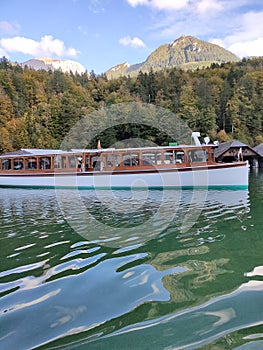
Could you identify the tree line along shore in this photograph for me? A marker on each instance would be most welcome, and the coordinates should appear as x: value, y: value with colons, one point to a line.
x: 38, y: 108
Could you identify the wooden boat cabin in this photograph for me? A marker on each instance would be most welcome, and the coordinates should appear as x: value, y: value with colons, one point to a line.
x: 50, y: 161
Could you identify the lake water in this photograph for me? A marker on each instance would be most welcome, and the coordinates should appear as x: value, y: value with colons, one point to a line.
x: 132, y: 270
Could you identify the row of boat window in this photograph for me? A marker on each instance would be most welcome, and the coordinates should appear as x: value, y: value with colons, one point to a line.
x: 28, y: 163
x: 99, y: 161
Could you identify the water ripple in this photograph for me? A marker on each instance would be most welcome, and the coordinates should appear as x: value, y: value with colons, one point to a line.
x: 58, y: 287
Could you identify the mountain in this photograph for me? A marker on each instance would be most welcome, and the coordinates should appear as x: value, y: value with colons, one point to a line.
x: 53, y: 64
x: 186, y: 52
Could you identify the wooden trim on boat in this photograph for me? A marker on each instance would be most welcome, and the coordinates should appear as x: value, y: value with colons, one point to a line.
x: 154, y: 167
x: 105, y: 160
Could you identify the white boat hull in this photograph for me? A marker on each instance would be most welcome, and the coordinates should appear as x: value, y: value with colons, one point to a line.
x: 233, y: 175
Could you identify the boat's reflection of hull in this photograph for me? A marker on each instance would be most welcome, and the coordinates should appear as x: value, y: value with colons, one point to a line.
x: 123, y: 218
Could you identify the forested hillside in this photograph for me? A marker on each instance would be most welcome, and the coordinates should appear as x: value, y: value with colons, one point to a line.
x: 37, y: 108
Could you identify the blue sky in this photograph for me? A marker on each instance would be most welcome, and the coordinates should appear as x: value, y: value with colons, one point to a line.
x: 103, y: 33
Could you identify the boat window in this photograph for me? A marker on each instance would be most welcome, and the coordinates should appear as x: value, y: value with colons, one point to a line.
x: 18, y: 164
x: 31, y: 163
x: 130, y: 159
x: 179, y: 157
x: 6, y: 164
x: 96, y: 162
x: 148, y: 158
x: 169, y: 157
x: 112, y: 160
x: 45, y: 162
x: 72, y: 161
x: 198, y: 155
x: 151, y: 158
x: 60, y: 162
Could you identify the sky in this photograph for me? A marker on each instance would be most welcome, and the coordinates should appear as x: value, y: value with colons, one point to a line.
x: 100, y: 34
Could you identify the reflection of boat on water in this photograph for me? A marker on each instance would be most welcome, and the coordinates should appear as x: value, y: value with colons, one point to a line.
x: 228, y: 198
x: 124, y: 218
x: 117, y: 199
x: 197, y: 327
x: 176, y: 167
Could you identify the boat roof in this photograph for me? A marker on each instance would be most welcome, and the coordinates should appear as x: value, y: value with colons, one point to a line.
x: 47, y: 152
x: 34, y: 152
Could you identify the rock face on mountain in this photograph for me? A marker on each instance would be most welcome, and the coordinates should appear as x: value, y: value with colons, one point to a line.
x: 186, y: 52
x: 53, y: 64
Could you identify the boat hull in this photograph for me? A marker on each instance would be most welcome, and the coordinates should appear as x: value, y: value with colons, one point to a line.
x: 234, y: 175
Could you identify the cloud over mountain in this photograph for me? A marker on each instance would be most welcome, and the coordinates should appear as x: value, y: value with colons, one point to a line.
x: 132, y: 42
x: 234, y: 25
x: 46, y: 46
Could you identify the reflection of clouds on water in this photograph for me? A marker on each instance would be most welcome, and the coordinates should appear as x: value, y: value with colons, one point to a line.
x: 85, y: 297
x: 24, y: 305
x: 195, y: 327
x: 223, y: 316
x: 257, y: 271
x: 67, y: 314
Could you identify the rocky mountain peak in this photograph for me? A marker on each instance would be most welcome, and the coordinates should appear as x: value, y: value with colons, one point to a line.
x: 186, y: 52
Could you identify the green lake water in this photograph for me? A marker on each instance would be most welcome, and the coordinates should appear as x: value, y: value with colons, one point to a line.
x: 132, y: 270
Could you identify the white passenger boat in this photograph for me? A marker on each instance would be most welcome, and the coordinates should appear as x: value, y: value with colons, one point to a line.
x: 182, y: 167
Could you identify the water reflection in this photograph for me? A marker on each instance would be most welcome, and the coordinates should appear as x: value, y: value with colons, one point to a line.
x: 194, y: 327
x: 124, y: 218
x: 56, y: 284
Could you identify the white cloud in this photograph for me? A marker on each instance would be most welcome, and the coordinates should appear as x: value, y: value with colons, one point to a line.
x: 218, y: 42
x: 209, y: 6
x: 247, y: 36
x: 3, y: 53
x: 135, y: 3
x: 247, y: 48
x: 132, y: 42
x: 169, y: 4
x: 160, y: 4
x: 202, y: 6
x: 47, y: 46
x: 201, y: 18
x: 250, y: 27
x: 229, y: 21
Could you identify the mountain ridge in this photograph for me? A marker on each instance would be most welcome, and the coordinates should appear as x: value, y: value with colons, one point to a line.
x: 186, y: 52
x: 66, y: 66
